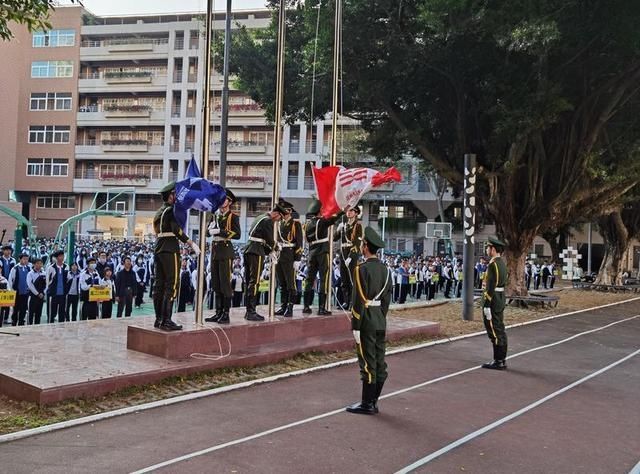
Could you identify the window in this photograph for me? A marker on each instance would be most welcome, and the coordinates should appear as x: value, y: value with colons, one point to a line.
x: 50, y: 101
x: 47, y: 167
x: 55, y: 201
x: 52, y: 69
x: 53, y: 38
x: 255, y: 207
x: 49, y: 134
x: 292, y: 175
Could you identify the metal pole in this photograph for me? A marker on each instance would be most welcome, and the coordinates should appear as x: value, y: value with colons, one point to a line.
x: 277, y: 132
x: 225, y: 97
x: 337, y: 47
x: 204, y: 162
x: 469, y: 235
x: 589, y: 236
x: 384, y: 219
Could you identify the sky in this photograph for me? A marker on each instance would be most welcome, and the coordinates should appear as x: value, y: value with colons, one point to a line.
x: 132, y: 7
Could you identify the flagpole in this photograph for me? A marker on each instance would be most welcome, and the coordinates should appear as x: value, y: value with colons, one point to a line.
x: 277, y: 146
x: 337, y: 47
x: 206, y: 121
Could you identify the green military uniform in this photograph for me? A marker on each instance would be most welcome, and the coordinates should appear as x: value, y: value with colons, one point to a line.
x: 369, y: 306
x: 259, y: 244
x: 290, y: 243
x: 350, y: 238
x: 316, y: 231
x: 166, y: 256
x: 495, y: 280
x: 227, y: 228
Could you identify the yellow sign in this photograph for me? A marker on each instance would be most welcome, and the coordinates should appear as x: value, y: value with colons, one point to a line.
x: 99, y: 293
x: 412, y: 280
x: 7, y: 298
x: 264, y: 286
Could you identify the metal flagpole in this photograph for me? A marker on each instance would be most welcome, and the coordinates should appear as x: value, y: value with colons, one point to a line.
x: 469, y: 235
x: 337, y: 47
x: 277, y: 146
x: 204, y: 166
x: 225, y: 97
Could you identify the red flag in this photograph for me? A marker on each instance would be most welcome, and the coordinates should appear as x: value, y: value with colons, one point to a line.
x: 339, y: 187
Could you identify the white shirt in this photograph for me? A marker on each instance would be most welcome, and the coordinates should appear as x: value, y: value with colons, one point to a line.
x: 33, y: 276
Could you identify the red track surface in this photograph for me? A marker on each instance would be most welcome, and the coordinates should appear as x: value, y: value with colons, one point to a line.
x: 593, y: 427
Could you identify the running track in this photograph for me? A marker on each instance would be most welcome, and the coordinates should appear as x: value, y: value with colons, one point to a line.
x: 568, y: 403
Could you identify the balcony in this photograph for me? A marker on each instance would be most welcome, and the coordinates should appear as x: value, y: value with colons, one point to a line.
x: 140, y: 48
x: 91, y: 149
x: 116, y: 111
x: 242, y: 147
x: 135, y: 115
x: 125, y: 81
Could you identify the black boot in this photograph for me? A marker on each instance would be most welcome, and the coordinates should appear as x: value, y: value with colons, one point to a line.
x: 307, y: 299
x: 365, y: 407
x: 322, y: 301
x: 226, y: 308
x: 251, y: 314
x: 495, y: 365
x: 379, y: 386
x: 167, y: 324
x: 158, y: 307
x: 285, y: 303
x: 218, y: 315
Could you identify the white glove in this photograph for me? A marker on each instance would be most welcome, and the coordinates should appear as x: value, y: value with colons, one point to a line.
x: 195, y: 248
x: 213, y: 229
x: 356, y: 336
x: 487, y: 313
x: 340, y: 227
x: 347, y: 262
x: 273, y: 258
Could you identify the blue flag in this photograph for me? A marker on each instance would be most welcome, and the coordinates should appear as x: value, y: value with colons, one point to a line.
x: 192, y: 170
x: 196, y: 193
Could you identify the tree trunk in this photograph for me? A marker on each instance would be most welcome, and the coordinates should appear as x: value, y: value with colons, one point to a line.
x: 616, y: 243
x: 515, y: 255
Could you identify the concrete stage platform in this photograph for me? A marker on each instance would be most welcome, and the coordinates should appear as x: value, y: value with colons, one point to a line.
x: 54, y: 362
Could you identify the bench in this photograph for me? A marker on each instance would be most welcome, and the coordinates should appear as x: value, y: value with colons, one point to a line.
x: 546, y: 301
x: 606, y: 288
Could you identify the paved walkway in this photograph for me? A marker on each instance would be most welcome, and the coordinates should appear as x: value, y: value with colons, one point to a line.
x: 568, y: 403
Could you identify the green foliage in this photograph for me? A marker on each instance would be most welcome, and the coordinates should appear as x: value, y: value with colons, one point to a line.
x: 34, y: 14
x: 544, y: 93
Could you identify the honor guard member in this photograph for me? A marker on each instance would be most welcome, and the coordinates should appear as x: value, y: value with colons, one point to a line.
x: 369, y: 306
x: 166, y: 256
x: 316, y: 232
x: 259, y: 244
x: 290, y: 243
x: 224, y: 228
x: 493, y: 302
x: 349, y: 236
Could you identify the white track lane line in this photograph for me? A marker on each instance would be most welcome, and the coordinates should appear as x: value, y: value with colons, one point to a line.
x: 277, y: 429
x: 215, y: 391
x: 636, y: 469
x: 501, y: 421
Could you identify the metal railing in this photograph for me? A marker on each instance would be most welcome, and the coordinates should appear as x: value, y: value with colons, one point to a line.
x: 175, y: 111
x: 177, y: 76
x: 292, y: 182
x: 122, y: 41
x: 192, y: 77
x: 309, y: 183
x: 178, y: 44
x: 188, y: 145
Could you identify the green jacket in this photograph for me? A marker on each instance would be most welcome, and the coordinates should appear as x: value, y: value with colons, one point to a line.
x: 316, y: 231
x: 496, y: 276
x: 260, y: 241
x: 350, y: 240
x: 229, y: 225
x: 372, y: 283
x: 164, y: 223
x: 290, y: 239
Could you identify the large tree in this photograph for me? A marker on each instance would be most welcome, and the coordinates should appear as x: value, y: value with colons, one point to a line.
x: 32, y: 13
x: 530, y: 87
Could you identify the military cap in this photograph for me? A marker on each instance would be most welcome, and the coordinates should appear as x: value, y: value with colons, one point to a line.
x: 314, y: 207
x: 168, y: 188
x: 284, y: 207
x: 7, y: 247
x: 496, y: 242
x: 355, y: 209
x: 372, y: 237
x: 57, y: 253
x: 230, y: 195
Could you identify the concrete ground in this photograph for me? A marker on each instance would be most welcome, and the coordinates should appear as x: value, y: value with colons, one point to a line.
x: 568, y: 403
